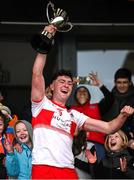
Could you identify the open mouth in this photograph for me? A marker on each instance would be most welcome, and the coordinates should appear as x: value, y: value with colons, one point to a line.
x: 112, y: 144
x: 23, y: 138
x: 64, y: 91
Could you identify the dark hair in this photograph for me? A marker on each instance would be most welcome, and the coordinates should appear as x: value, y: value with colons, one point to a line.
x: 75, y: 93
x: 79, y: 142
x: 62, y: 72
x: 123, y: 73
x: 5, y: 121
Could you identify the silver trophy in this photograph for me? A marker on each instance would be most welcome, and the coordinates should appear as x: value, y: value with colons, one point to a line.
x: 43, y: 42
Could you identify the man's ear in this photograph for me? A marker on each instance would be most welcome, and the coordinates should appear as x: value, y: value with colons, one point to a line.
x: 51, y: 86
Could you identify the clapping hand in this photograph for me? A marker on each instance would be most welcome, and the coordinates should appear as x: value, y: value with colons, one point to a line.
x: 123, y: 164
x: 92, y: 158
x: 8, y: 146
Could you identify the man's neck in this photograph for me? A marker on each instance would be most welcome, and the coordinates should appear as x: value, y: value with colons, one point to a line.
x: 60, y: 103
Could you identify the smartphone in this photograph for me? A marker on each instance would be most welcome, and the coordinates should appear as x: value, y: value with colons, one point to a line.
x: 83, y: 80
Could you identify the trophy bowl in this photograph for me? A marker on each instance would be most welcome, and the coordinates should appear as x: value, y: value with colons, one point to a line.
x: 43, y: 42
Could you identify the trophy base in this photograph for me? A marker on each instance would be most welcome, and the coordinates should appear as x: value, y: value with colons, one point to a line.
x: 41, y: 43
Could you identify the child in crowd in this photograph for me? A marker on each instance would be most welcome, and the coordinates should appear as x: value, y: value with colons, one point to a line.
x: 19, y: 164
x: 118, y: 163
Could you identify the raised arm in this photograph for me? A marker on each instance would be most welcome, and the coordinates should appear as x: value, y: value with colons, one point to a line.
x: 111, y: 126
x: 38, y: 81
x: 106, y: 102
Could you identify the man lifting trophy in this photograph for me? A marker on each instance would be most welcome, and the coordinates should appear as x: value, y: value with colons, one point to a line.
x: 43, y: 42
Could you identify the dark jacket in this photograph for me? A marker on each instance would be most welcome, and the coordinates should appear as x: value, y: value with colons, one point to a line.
x: 109, y: 167
x: 113, y: 102
x: 3, y: 172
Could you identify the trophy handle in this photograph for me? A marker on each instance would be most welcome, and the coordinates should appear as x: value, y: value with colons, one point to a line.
x: 67, y: 26
x: 50, y: 4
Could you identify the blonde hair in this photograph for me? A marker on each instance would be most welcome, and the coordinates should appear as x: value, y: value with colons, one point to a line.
x: 124, y: 139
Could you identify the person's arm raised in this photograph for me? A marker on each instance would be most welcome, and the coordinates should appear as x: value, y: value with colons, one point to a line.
x: 111, y: 126
x: 38, y: 81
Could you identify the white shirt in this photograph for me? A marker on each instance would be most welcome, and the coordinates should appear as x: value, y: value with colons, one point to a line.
x: 53, y: 130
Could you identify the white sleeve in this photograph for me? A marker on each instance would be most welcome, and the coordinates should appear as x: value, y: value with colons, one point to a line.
x: 80, y: 118
x: 37, y: 106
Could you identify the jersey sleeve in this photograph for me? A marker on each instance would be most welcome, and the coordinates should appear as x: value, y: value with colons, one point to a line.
x: 79, y: 118
x: 37, y: 106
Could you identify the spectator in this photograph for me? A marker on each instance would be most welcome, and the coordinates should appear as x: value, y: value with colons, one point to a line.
x: 122, y: 94
x: 19, y: 164
x: 82, y: 104
x: 118, y: 163
x: 11, y: 119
